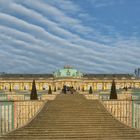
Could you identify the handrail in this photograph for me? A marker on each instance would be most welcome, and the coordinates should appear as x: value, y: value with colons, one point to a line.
x: 31, y: 119
x: 13, y: 114
x: 116, y: 118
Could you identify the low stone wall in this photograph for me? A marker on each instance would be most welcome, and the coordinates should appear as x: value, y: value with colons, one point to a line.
x: 15, y: 97
x: 14, y: 114
x: 43, y: 97
x: 48, y: 97
x: 97, y: 96
x: 93, y: 96
x: 19, y: 97
x: 124, y: 96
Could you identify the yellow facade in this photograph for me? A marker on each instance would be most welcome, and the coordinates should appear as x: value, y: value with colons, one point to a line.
x: 79, y: 84
x: 70, y: 77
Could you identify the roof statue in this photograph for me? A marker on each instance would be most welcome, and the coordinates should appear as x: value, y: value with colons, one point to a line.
x: 68, y: 67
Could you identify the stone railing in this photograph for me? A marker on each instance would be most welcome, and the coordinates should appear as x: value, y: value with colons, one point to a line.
x: 120, y: 109
x: 15, y: 114
x: 124, y: 109
x: 6, y: 116
x: 136, y: 114
x: 24, y: 111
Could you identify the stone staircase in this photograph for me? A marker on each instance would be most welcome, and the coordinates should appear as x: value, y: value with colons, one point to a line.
x: 72, y: 117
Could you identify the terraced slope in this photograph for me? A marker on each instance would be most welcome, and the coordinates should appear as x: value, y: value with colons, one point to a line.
x: 72, y: 117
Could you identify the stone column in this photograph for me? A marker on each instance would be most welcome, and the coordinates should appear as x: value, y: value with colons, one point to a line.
x: 95, y: 86
x: 40, y: 86
x: 104, y: 86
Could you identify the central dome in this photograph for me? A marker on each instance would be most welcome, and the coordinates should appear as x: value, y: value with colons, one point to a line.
x: 68, y: 71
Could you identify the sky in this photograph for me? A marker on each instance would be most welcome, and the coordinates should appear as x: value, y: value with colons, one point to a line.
x: 93, y: 36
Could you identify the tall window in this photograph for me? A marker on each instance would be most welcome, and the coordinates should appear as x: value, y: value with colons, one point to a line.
x: 59, y: 73
x: 77, y: 73
x: 68, y: 73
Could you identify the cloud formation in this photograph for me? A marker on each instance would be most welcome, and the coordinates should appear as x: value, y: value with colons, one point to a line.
x: 42, y: 36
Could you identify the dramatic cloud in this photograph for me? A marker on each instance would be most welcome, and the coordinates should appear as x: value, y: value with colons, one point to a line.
x: 39, y: 36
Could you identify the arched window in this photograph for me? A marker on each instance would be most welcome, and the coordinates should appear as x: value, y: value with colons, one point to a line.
x: 68, y: 73
x: 77, y: 73
x: 59, y: 73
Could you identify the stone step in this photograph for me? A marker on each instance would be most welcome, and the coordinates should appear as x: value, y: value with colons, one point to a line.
x: 87, y: 136
x: 72, y: 117
x: 92, y: 131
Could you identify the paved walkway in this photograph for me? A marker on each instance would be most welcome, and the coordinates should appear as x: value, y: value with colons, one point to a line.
x: 72, y: 117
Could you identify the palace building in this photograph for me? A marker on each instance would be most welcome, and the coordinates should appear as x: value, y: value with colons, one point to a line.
x: 68, y: 76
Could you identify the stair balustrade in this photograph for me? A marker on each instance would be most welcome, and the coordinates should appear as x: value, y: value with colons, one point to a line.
x: 15, y: 114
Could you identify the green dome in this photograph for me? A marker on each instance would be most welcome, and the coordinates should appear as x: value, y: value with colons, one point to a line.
x: 68, y: 71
